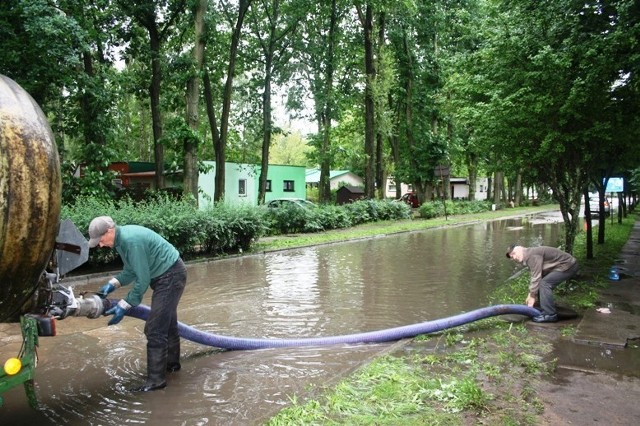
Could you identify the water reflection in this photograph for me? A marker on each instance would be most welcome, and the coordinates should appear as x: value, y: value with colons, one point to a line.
x: 317, y: 291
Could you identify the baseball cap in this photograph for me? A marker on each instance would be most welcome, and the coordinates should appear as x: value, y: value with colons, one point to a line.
x: 98, y: 227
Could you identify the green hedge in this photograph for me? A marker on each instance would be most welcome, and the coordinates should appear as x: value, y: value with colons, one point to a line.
x: 432, y: 209
x: 222, y: 229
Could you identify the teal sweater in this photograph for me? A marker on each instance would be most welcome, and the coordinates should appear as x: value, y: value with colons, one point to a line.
x: 146, y: 255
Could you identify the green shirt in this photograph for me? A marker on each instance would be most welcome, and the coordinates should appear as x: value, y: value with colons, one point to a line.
x: 146, y: 255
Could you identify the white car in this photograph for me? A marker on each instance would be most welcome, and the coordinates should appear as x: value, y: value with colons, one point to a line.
x: 299, y: 202
x: 594, y: 206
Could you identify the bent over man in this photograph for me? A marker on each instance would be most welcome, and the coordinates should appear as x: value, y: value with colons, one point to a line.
x: 549, y: 267
x: 149, y: 261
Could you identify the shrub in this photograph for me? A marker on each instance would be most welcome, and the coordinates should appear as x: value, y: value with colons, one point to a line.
x: 431, y: 209
x: 222, y: 228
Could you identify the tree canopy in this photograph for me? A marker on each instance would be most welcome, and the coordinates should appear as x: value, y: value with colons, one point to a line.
x: 527, y: 93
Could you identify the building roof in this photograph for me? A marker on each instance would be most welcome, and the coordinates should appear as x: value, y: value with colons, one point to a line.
x: 352, y: 189
x: 313, y: 175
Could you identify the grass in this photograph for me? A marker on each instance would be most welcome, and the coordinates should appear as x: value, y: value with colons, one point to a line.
x: 484, y: 373
x: 382, y: 228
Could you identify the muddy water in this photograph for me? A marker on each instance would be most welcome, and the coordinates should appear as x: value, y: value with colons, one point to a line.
x: 84, y: 372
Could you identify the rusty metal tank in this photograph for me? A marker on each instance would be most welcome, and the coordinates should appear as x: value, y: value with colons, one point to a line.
x: 30, y: 197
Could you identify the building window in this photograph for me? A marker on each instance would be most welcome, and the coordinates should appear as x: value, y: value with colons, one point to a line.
x: 481, y: 188
x: 288, y: 186
x: 242, y: 187
x: 391, y: 187
x: 267, y: 187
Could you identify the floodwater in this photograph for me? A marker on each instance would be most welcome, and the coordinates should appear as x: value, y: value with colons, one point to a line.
x: 84, y: 372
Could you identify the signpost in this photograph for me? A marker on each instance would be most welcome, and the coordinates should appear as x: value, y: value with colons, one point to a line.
x: 442, y: 172
x: 614, y: 185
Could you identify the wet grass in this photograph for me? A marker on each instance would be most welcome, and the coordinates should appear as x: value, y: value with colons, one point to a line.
x: 376, y: 229
x: 481, y: 379
x: 486, y: 372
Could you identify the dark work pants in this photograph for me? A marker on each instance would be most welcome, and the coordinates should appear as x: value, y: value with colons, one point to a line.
x: 548, y: 283
x: 162, y: 325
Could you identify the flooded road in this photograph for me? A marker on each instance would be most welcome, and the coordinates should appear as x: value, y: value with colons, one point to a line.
x: 84, y: 372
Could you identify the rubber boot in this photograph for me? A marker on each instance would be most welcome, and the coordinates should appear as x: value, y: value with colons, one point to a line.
x: 173, y: 355
x: 156, y: 369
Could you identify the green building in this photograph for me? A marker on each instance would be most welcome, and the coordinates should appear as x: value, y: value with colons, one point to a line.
x: 242, y: 181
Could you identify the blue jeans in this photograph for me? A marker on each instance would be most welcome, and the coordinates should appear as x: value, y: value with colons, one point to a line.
x: 548, y: 283
x: 162, y: 325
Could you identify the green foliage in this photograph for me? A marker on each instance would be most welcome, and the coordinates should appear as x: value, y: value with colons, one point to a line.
x: 219, y: 229
x: 363, y: 211
x: 431, y: 209
x: 291, y: 219
x: 92, y: 183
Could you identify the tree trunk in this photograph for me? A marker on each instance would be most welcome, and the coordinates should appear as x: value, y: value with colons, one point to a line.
x: 190, y: 178
x: 518, y: 191
x: 211, y: 114
x: 369, y: 106
x: 472, y: 168
x: 154, y: 95
x: 423, y: 191
x: 588, y: 225
x: 266, y: 127
x: 497, y: 187
x: 226, y: 103
x: 324, y: 186
x: 380, y: 173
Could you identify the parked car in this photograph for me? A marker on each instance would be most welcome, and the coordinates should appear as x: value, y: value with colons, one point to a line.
x: 412, y: 199
x: 594, y: 206
x: 297, y: 202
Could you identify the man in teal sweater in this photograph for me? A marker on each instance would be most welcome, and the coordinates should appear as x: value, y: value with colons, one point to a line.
x: 149, y: 261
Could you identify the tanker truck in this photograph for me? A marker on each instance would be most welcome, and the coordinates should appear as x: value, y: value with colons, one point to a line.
x: 36, y: 248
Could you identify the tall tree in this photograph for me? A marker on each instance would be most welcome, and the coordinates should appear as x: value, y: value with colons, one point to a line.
x: 553, y: 85
x: 322, y: 69
x: 221, y: 145
x: 157, y: 17
x: 366, y: 20
x: 273, y: 26
x: 190, y: 186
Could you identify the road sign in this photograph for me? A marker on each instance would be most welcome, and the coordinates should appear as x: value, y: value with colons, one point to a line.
x: 615, y: 184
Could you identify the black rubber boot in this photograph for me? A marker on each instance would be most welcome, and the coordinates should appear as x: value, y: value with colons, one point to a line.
x: 173, y: 354
x: 156, y: 369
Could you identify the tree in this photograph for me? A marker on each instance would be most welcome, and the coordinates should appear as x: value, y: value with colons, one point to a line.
x: 191, y: 143
x: 220, y: 143
x: 158, y: 19
x: 321, y: 68
x: 553, y: 82
x: 366, y: 20
x: 273, y: 31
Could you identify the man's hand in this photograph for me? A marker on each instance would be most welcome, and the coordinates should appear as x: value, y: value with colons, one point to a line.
x: 105, y: 290
x: 530, y: 301
x: 118, y: 311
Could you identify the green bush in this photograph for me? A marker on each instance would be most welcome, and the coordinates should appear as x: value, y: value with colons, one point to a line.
x: 333, y: 217
x: 221, y: 228
x: 431, y: 209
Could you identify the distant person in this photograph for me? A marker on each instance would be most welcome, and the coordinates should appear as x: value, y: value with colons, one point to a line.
x: 149, y: 261
x: 549, y: 267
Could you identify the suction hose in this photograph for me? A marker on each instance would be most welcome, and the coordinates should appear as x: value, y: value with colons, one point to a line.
x: 388, y: 335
